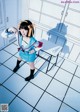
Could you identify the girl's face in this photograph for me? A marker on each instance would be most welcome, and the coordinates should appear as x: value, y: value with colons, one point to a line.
x: 23, y: 32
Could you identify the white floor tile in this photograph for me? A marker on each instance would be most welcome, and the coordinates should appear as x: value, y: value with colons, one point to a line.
x: 16, y: 42
x: 72, y: 56
x: 78, y: 72
x: 39, y: 63
x: 24, y: 71
x: 65, y: 108
x: 48, y: 104
x: 64, y: 76
x: 17, y: 55
x: 15, y: 83
x: 78, y: 60
x: 57, y: 89
x: 37, y: 60
x: 19, y: 106
x: 53, y: 71
x: 31, y: 94
x: 73, y: 99
x: 4, y: 73
x: 69, y: 66
x: 41, y: 80
x: 59, y: 61
x: 5, y: 95
x: 53, y: 60
x: 44, y: 67
x: 75, y: 82
x: 4, y: 56
x: 12, y: 49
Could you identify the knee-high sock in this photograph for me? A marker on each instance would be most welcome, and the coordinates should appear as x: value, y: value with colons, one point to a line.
x: 31, y: 76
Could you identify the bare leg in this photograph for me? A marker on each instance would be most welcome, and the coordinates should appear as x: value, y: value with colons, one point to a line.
x: 32, y: 65
x: 19, y: 59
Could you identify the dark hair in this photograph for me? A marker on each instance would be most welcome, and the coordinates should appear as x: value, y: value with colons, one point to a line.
x: 27, y: 25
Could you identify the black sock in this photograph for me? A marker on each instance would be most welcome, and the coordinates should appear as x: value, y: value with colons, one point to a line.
x: 32, y: 72
x: 18, y: 62
x: 31, y: 75
x: 17, y: 66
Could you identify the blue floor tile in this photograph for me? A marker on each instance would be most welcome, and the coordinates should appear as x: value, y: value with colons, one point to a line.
x: 4, y: 56
x: 35, y: 111
x: 4, y: 73
x: 54, y: 84
x: 73, y: 99
x: 12, y: 49
x: 65, y: 108
x: 5, y: 95
x: 11, y: 63
x: 15, y: 83
x: 19, y: 106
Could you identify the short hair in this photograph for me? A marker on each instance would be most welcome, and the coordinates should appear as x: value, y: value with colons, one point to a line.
x: 27, y: 25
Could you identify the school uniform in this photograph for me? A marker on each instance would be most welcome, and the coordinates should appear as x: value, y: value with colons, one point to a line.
x: 25, y: 55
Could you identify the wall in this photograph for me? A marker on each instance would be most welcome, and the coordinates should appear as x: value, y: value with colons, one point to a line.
x: 47, y: 14
x: 8, y: 18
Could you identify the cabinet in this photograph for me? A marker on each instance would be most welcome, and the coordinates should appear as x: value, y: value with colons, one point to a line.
x: 2, y: 24
x: 11, y: 9
x: 8, y: 18
x: 2, y: 41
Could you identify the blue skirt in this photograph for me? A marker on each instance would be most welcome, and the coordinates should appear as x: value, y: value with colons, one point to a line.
x: 27, y: 57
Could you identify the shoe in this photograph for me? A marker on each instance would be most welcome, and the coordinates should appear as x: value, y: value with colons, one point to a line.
x: 29, y: 78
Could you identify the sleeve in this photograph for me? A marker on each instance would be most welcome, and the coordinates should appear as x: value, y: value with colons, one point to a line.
x: 35, y: 42
x: 19, y: 40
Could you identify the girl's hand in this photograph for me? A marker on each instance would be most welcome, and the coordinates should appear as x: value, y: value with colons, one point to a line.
x: 32, y: 51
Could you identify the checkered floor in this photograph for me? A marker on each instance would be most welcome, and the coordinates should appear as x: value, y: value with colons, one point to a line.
x: 56, y: 91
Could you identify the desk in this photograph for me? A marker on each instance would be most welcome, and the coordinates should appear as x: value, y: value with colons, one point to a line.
x: 52, y: 50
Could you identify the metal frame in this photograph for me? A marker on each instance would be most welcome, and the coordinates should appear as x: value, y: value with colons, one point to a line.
x: 49, y: 59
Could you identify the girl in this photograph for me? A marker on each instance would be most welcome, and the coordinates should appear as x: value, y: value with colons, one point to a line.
x: 27, y: 52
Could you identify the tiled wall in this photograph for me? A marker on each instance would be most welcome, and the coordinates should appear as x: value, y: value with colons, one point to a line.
x: 47, y: 14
